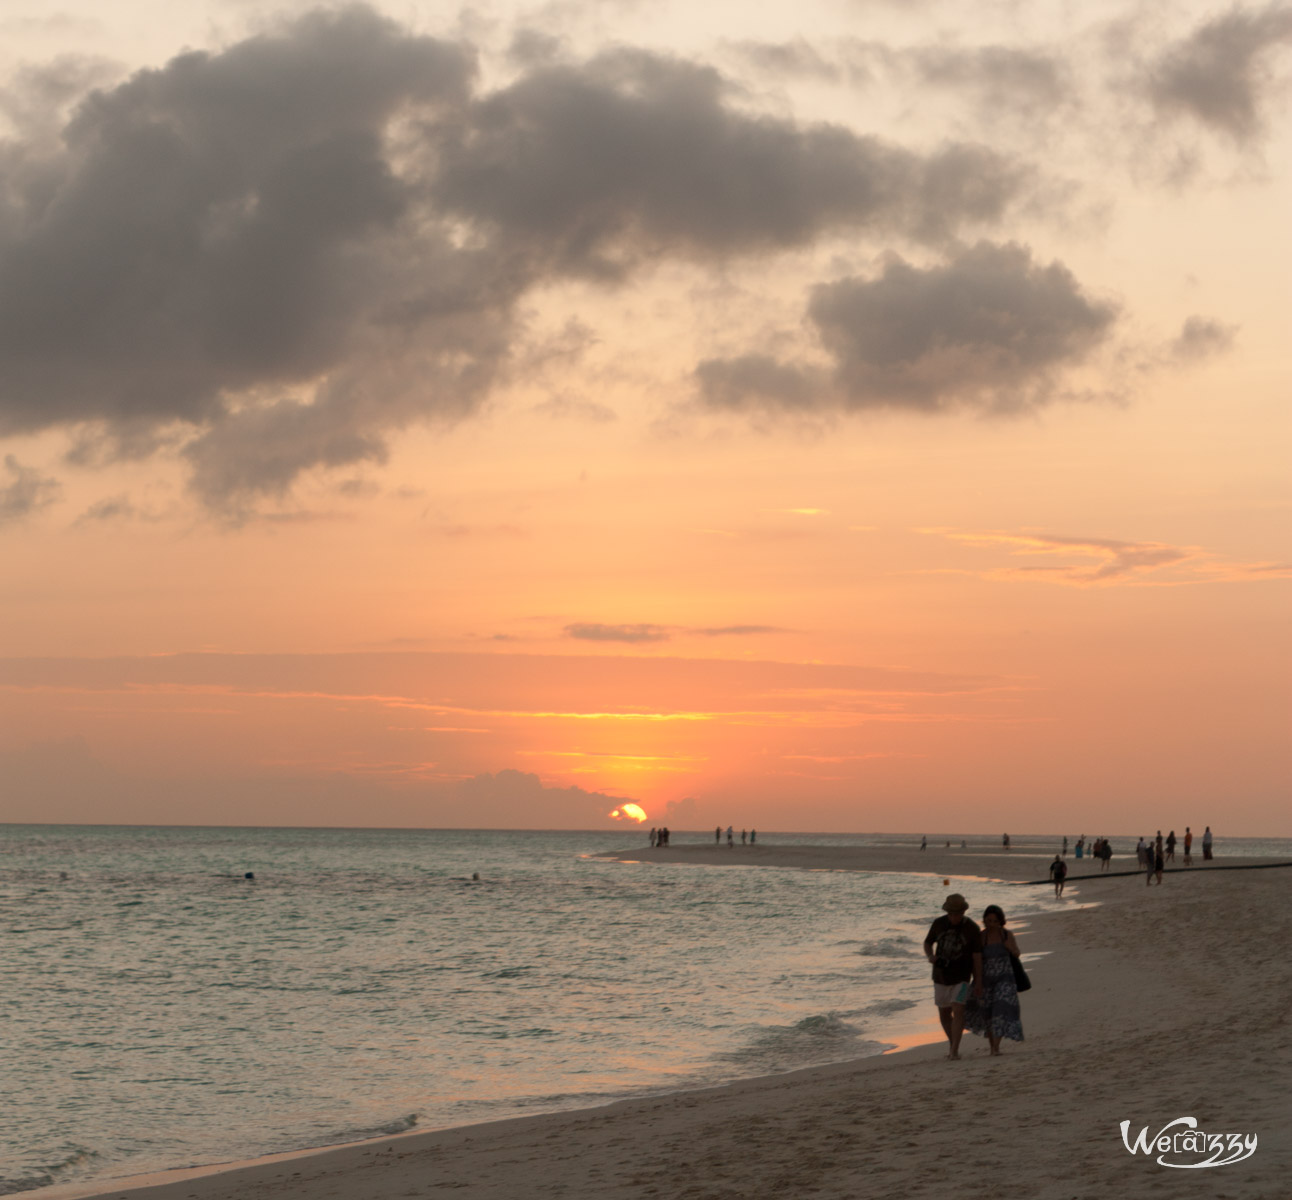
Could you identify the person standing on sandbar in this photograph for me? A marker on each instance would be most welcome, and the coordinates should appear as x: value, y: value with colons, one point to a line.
x: 954, y: 947
x: 1206, y: 843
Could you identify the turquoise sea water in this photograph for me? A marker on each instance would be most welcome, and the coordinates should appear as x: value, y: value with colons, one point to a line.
x: 162, y: 1010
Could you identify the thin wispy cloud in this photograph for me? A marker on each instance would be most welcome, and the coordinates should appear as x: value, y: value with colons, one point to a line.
x: 1106, y: 562
x: 24, y: 490
x: 594, y: 631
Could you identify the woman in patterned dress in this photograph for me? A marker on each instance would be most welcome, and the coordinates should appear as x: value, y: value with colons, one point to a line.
x: 996, y: 1015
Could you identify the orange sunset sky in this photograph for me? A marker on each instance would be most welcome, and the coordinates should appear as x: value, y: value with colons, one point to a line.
x: 836, y: 416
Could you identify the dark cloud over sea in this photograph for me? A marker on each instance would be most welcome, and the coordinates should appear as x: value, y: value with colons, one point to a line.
x: 276, y: 256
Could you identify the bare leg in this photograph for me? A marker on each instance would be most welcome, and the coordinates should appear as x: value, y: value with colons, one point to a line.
x: 957, y: 1028
x: 995, y: 1043
x: 944, y: 1015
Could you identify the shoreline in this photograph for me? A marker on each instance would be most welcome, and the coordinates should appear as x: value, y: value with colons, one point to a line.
x: 1022, y: 866
x: 1105, y: 996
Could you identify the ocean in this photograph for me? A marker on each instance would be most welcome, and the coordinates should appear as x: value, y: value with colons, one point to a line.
x: 163, y: 1010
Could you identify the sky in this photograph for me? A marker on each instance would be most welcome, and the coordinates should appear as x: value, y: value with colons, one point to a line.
x: 842, y: 415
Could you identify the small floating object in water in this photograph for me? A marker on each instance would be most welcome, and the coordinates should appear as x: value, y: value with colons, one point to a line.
x: 946, y: 883
x: 249, y: 875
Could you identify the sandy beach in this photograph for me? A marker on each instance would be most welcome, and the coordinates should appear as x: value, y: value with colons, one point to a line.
x: 1026, y: 862
x: 1154, y: 1004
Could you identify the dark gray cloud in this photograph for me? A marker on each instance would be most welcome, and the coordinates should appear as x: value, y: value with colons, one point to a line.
x: 26, y: 490
x: 208, y: 234
x: 1202, y: 337
x: 591, y: 631
x: 1220, y: 74
x: 760, y: 380
x: 273, y: 257
x: 633, y: 155
x: 988, y: 328
x: 211, y: 226
x: 1006, y: 80
x: 739, y: 630
x: 39, y: 97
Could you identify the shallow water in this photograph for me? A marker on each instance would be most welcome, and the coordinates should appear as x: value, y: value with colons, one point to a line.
x: 163, y: 1011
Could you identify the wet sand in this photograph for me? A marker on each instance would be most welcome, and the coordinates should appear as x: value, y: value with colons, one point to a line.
x: 1157, y: 1003
x: 1025, y: 863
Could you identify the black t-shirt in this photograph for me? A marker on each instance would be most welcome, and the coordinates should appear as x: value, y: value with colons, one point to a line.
x: 953, y: 949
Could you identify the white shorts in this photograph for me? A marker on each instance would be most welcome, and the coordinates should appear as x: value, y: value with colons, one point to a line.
x: 947, y: 994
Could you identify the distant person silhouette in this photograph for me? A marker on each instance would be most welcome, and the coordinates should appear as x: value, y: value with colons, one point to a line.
x: 717, y: 836
x: 1206, y: 843
x: 731, y: 837
x: 1059, y: 874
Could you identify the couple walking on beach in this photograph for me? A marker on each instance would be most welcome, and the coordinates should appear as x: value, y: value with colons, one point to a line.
x: 976, y: 975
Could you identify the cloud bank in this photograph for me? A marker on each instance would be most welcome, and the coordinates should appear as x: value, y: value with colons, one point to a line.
x: 272, y: 257
x: 989, y: 328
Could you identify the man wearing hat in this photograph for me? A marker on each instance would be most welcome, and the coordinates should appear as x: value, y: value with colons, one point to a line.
x: 954, y: 947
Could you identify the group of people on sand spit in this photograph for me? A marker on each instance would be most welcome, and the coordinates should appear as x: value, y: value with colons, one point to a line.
x: 977, y: 975
x: 1155, y: 853
x: 659, y: 837
x: 1100, y: 848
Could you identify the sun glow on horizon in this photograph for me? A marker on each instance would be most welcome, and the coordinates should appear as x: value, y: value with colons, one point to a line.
x: 629, y: 812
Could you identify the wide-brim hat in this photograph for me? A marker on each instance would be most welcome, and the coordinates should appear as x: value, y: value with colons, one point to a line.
x: 955, y: 903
